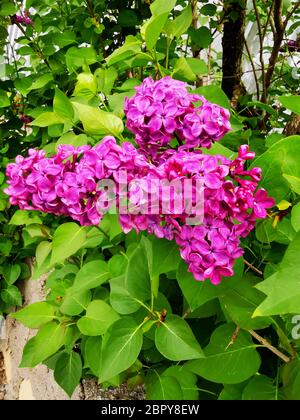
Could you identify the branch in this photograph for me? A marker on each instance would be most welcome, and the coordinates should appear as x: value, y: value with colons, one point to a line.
x: 279, y: 26
x: 290, y: 14
x: 194, y: 5
x: 269, y: 346
x: 261, y: 48
x: 253, y: 68
x: 35, y: 46
x: 269, y: 19
x: 272, y: 24
x: 256, y: 270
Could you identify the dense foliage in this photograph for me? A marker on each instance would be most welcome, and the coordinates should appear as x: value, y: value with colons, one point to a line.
x: 123, y: 307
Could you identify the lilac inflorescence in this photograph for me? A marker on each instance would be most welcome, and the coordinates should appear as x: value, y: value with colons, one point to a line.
x: 75, y: 182
x: 163, y: 109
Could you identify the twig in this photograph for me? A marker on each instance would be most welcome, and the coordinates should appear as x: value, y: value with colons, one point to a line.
x: 269, y: 346
x: 90, y: 7
x: 186, y: 313
x: 261, y: 52
x: 290, y: 14
x: 268, y: 20
x: 280, y: 27
x: 14, y: 58
x: 35, y: 46
x: 253, y: 68
x: 272, y: 24
x: 256, y: 270
x: 194, y: 5
x: 234, y: 337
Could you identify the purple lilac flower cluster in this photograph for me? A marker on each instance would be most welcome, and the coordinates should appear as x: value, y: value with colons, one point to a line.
x: 164, y: 109
x: 232, y: 204
x: 68, y: 183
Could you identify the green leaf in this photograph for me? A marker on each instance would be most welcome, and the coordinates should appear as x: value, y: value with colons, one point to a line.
x: 91, y: 275
x: 159, y: 7
x: 183, y: 71
x: 294, y: 182
x: 122, y: 344
x: 5, y: 246
x: 240, y: 301
x: 283, y: 232
x: 78, y: 57
x: 281, y: 158
x: 283, y: 287
x: 4, y: 99
x: 11, y: 295
x: 175, y: 340
x: 263, y: 106
x: 62, y: 106
x: 201, y: 37
x: 41, y: 81
x: 120, y: 298
x: 11, y: 273
x: 137, y: 276
x: 232, y: 392
x: 208, y: 10
x: 153, y: 29
x: 161, y: 256
x: 68, y: 371
x: 260, y: 388
x: 67, y: 240
x: 25, y: 217
x: 214, y: 94
x: 117, y: 265
x: 225, y: 362
x: 283, y: 205
x: 99, y: 316
x: 295, y: 217
x: 92, y: 354
x: 75, y: 303
x: 98, y: 122
x: 291, y: 380
x: 116, y: 102
x: 186, y: 379
x: 165, y: 256
x: 291, y: 102
x: 127, y: 18
x: 105, y: 79
x: 164, y: 388
x: 197, y: 65
x: 48, y: 341
x: 197, y: 293
x: 62, y: 39
x: 86, y: 86
x: 47, y: 119
x: 7, y: 8
x: 219, y: 149
x: 131, y: 47
x: 73, y: 139
x: 180, y: 24
x: 42, y: 259
x: 35, y: 315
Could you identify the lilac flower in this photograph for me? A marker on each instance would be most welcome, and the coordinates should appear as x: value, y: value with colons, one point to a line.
x: 164, y: 109
x: 22, y: 18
